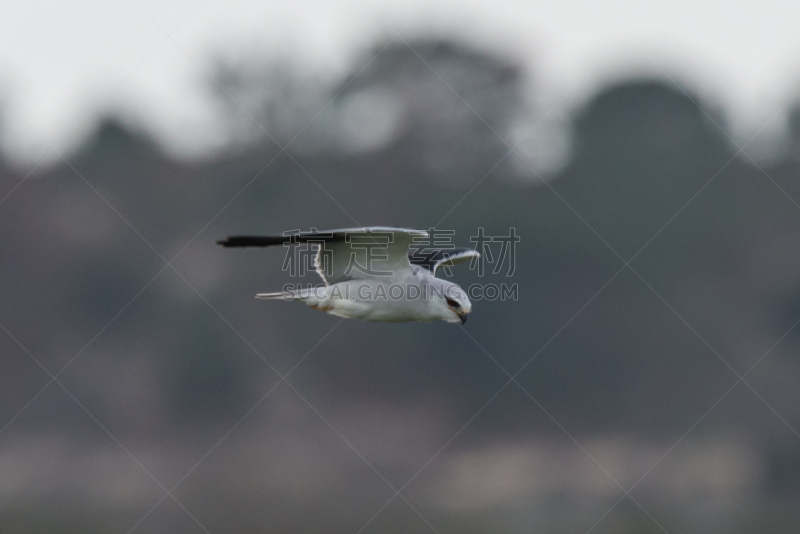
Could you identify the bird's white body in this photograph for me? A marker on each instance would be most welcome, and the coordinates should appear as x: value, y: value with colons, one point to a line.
x: 393, y: 287
x: 418, y: 297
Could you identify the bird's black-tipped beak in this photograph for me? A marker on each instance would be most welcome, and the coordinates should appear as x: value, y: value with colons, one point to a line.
x: 463, y: 318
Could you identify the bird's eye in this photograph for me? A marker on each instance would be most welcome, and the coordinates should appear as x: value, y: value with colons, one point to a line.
x: 452, y: 303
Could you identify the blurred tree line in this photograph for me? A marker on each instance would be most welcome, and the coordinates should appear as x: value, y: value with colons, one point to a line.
x: 418, y: 137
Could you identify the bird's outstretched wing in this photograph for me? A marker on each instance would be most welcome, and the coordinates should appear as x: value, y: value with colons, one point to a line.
x: 432, y: 259
x: 347, y: 253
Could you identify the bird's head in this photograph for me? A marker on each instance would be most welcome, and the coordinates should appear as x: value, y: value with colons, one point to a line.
x: 453, y: 303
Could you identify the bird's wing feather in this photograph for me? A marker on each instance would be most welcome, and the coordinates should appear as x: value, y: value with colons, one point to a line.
x: 433, y: 258
x: 347, y: 253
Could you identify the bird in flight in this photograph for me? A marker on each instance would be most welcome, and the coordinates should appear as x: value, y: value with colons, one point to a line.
x: 374, y: 273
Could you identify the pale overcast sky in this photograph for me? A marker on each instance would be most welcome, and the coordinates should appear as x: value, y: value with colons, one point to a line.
x: 59, y: 60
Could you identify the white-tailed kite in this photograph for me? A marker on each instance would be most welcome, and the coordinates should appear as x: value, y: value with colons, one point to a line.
x: 375, y: 274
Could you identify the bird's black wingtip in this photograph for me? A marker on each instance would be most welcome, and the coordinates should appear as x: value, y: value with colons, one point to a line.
x: 239, y: 241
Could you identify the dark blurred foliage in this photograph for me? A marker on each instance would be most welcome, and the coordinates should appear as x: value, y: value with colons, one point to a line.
x: 641, y: 351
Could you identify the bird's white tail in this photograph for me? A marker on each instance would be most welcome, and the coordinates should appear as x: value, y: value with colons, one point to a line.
x: 298, y: 294
x: 279, y: 295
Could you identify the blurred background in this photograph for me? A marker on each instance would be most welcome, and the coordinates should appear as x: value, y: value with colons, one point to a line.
x: 646, y: 153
